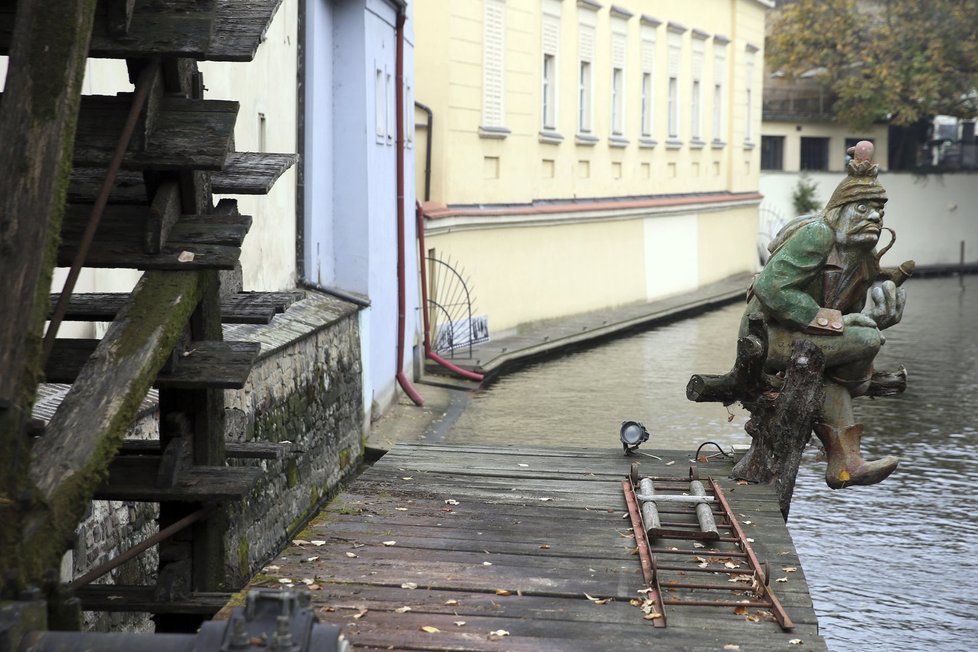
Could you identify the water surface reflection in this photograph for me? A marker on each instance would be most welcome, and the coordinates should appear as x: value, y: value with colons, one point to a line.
x: 893, y: 566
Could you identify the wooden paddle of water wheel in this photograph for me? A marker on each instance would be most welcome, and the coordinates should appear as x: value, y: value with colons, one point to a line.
x: 144, y: 169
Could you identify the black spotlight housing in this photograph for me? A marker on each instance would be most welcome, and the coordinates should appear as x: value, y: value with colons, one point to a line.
x: 632, y: 434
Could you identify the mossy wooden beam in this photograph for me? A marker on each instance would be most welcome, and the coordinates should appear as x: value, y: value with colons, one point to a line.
x: 38, y: 115
x: 72, y: 458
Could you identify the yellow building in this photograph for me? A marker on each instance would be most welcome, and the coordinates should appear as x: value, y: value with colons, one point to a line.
x: 587, y: 155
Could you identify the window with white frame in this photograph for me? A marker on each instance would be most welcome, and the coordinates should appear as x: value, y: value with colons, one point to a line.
x: 749, y: 96
x: 618, y: 54
x: 585, y: 48
x: 493, y: 63
x: 719, y: 83
x: 648, y: 75
x: 550, y: 42
x: 584, y: 98
x: 696, y: 90
x: 675, y: 61
x: 617, y: 101
x: 549, y: 91
x: 380, y: 105
x: 647, y: 100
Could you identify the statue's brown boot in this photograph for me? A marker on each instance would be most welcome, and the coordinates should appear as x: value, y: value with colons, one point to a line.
x: 846, y: 467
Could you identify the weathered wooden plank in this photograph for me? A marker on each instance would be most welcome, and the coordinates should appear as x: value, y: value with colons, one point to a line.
x: 115, y: 597
x: 86, y: 182
x: 133, y: 478
x: 96, y: 412
x: 237, y: 450
x: 240, y: 308
x: 251, y: 173
x: 187, y: 134
x: 240, y: 28
x: 223, y: 365
x: 216, y: 365
x: 164, y: 211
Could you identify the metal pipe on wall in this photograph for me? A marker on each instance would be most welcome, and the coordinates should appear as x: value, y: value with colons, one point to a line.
x: 399, y: 110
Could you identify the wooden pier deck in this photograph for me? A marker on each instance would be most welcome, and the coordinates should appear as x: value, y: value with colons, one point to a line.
x: 494, y: 548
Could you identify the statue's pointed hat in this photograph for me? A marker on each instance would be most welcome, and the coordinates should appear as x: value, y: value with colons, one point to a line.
x: 860, y: 183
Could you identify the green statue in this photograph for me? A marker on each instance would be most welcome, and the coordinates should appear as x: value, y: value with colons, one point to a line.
x: 824, y: 283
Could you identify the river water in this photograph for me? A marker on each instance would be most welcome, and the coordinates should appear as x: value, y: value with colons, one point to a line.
x: 892, y: 566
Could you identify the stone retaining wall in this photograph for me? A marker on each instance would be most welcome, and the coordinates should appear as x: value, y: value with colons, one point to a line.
x: 306, y: 392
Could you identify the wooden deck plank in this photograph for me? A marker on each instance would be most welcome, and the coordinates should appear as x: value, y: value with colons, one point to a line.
x: 460, y: 524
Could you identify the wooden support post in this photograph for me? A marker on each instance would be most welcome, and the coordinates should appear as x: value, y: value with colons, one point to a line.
x: 781, y: 424
x: 650, y: 513
x: 704, y: 514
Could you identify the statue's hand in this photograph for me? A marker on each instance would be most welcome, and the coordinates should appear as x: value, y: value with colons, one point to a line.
x: 859, y: 319
x: 886, y: 302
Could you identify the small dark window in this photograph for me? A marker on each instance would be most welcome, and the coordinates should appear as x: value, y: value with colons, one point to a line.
x: 814, y: 154
x: 772, y: 152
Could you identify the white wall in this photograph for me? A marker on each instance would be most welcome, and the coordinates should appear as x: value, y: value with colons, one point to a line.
x: 931, y: 214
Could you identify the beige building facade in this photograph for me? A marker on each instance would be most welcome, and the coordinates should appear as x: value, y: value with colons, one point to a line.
x: 586, y: 155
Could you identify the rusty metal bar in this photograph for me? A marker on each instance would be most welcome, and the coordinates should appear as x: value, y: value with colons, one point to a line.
x: 779, y: 613
x: 669, y: 584
x: 697, y: 551
x: 139, y: 548
x: 642, y: 543
x: 143, y: 84
x: 715, y: 603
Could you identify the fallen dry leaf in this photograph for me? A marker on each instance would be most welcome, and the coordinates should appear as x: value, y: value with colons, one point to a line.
x: 731, y: 564
x: 318, y: 542
x: 652, y: 615
x: 697, y: 544
x: 402, y: 610
x: 360, y: 614
x: 487, y: 563
x: 451, y: 602
x: 407, y: 477
x: 299, y: 542
x: 352, y: 555
x: 523, y: 465
x: 781, y: 579
x: 497, y: 634
x: 544, y: 500
x: 789, y: 569
x: 731, y: 646
x: 389, y: 543
x: 635, y: 602
x: 314, y: 587
x: 597, y: 600
x: 307, y: 581
x: 795, y: 641
x: 401, y: 509
x: 503, y: 592
x: 741, y: 611
x: 429, y: 629
x: 670, y: 462
x: 285, y: 580
x: 451, y: 501
x: 185, y: 256
x: 310, y: 559
x: 409, y: 585
x: 459, y: 623
x: 545, y: 546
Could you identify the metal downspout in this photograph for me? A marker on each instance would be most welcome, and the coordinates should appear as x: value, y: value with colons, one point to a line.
x: 399, y: 109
